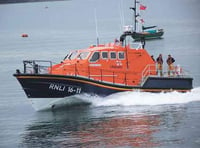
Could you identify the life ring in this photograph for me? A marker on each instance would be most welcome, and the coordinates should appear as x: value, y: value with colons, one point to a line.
x: 24, y: 35
x: 178, y: 70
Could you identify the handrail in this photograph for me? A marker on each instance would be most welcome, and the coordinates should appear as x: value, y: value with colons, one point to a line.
x: 104, y: 75
x: 37, y: 66
x: 150, y: 69
x: 45, y: 67
x: 178, y: 71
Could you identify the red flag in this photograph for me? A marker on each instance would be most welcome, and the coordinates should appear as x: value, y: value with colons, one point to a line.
x: 142, y: 7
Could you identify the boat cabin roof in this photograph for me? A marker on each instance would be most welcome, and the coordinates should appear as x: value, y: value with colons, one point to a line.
x: 110, y: 47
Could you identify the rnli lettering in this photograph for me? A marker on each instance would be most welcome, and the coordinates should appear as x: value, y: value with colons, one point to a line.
x: 69, y: 89
x: 57, y: 87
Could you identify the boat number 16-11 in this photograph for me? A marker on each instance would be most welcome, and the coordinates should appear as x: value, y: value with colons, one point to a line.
x: 69, y: 89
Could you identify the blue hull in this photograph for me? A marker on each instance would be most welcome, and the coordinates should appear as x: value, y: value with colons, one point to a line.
x: 56, y: 86
x: 168, y: 83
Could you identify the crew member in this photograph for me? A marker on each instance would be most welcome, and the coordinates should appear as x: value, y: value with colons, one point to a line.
x: 159, y: 61
x: 170, y: 61
x: 152, y: 58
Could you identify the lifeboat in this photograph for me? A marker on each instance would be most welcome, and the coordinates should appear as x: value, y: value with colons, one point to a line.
x: 24, y: 35
x: 101, y: 70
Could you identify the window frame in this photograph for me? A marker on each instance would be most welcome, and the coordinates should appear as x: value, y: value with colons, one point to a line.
x: 85, y: 57
x: 115, y: 55
x: 123, y: 55
x: 92, y: 56
x: 107, y: 55
x: 73, y: 55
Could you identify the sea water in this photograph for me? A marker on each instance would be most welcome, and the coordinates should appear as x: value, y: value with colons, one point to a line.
x: 127, y: 119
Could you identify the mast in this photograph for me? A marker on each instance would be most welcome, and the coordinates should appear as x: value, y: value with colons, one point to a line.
x: 135, y: 14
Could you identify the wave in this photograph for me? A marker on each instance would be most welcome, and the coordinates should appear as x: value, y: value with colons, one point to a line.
x: 143, y: 98
x: 118, y: 99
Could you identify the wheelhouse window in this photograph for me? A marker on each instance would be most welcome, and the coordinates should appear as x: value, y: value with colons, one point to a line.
x: 113, y: 55
x: 95, y: 57
x: 104, y: 55
x: 66, y: 57
x: 121, y: 55
x: 73, y: 55
x: 83, y: 55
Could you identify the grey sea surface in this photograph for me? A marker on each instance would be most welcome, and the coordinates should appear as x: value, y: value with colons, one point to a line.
x: 128, y: 119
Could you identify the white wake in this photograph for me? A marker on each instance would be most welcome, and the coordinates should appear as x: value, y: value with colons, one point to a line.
x: 119, y: 99
x: 143, y: 98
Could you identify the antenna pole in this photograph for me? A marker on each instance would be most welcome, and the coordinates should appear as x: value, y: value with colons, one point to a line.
x: 121, y: 15
x: 97, y: 34
x: 135, y: 15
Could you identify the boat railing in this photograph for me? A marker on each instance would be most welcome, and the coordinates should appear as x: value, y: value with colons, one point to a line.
x: 149, y: 70
x: 103, y: 75
x: 152, y: 70
x: 37, y: 66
